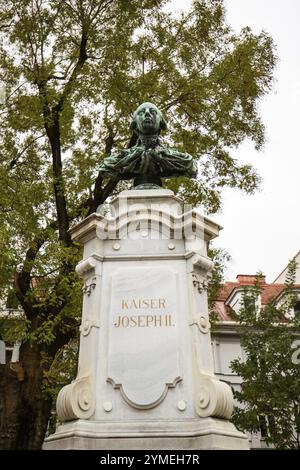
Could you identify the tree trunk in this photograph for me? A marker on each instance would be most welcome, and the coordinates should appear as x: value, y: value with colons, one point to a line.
x: 24, y: 411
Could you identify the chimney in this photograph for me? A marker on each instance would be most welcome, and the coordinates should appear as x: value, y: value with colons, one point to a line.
x: 249, y: 279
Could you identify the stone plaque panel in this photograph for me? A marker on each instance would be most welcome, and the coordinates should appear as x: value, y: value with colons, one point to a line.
x: 143, y: 351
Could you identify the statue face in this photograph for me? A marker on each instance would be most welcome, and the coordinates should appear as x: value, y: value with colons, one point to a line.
x: 148, y: 119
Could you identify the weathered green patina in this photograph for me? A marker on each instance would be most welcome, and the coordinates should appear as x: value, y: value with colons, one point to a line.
x: 148, y: 161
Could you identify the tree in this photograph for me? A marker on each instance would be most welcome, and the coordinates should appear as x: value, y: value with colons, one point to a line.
x: 74, y: 71
x: 216, y: 278
x: 270, y: 394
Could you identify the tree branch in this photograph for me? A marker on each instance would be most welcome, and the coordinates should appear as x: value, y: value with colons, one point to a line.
x: 14, y: 161
x: 107, y: 190
x: 52, y: 125
x: 102, y: 7
x: 22, y: 279
x: 82, y: 57
x: 53, y: 132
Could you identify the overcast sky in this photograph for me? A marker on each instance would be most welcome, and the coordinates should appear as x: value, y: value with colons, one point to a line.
x: 262, y: 232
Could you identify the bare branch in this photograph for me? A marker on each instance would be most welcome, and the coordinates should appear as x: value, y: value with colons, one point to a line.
x: 14, y: 91
x: 15, y: 159
x: 56, y: 77
x: 101, y: 8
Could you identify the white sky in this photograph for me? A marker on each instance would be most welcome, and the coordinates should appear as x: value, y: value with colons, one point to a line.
x: 261, y: 232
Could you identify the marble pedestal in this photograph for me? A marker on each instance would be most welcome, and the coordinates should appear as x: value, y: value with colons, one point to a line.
x: 145, y: 375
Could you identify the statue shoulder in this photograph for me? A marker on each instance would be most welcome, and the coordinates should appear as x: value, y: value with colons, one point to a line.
x: 174, y: 152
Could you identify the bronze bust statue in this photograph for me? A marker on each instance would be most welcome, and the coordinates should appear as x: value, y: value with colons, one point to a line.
x: 148, y: 161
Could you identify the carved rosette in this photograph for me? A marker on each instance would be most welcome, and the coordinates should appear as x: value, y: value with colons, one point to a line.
x: 214, y: 398
x: 76, y: 401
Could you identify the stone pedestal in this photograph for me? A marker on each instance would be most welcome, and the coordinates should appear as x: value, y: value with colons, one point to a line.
x: 145, y: 376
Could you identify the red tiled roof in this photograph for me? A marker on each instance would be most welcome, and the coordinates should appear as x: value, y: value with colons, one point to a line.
x: 221, y: 311
x: 244, y: 280
x: 272, y: 291
x: 226, y: 290
x: 269, y: 292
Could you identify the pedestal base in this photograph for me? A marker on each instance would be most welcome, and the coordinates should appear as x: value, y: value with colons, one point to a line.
x: 204, y: 434
x: 145, y: 372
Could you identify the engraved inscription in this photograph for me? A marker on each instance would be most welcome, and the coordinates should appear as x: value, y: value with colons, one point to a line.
x: 142, y: 321
x: 143, y: 303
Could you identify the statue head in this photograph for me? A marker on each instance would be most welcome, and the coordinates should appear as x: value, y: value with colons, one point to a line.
x: 148, y: 120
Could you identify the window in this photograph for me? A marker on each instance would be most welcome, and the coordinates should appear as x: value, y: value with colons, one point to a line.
x: 297, y: 308
x: 263, y: 426
x: 266, y: 425
x: 9, y: 352
x: 12, y: 300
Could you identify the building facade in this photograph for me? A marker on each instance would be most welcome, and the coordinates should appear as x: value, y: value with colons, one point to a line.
x: 225, y: 336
